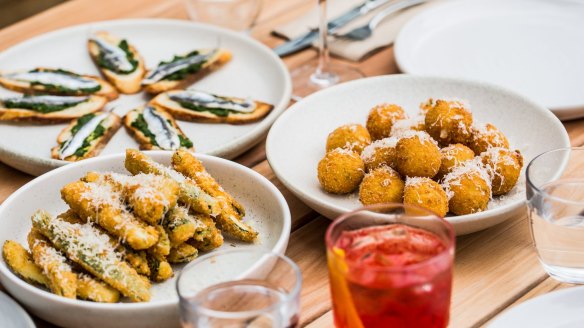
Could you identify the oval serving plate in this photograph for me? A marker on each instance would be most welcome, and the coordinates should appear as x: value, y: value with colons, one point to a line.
x: 254, y: 71
x: 296, y: 142
x: 266, y: 210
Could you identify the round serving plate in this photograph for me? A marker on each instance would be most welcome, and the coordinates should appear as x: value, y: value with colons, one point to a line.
x: 296, y: 142
x: 254, y: 71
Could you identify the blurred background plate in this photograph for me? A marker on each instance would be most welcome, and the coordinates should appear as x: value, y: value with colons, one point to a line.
x: 255, y: 71
x: 533, y: 47
x: 296, y: 142
x: 12, y: 314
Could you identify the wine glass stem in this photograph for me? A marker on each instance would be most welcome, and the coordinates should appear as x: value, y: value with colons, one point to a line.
x: 323, y: 76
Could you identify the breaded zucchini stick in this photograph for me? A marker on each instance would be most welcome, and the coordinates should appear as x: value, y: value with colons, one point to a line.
x: 182, y: 253
x: 62, y: 280
x: 160, y: 269
x: 179, y: 225
x: 20, y: 261
x: 162, y: 247
x: 103, y: 206
x: 137, y: 259
x: 190, y: 194
x: 231, y: 212
x: 89, y: 248
x: 207, y: 237
x: 150, y: 196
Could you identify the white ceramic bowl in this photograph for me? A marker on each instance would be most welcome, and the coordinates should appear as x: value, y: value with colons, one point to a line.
x: 254, y: 71
x: 296, y: 142
x: 266, y: 210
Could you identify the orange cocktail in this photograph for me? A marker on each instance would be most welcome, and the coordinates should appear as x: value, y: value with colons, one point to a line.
x: 390, y: 266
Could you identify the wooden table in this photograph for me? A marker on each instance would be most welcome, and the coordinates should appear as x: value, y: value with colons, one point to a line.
x: 495, y: 269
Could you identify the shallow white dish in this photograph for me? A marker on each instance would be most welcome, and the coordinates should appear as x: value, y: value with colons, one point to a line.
x: 266, y: 210
x: 530, y: 46
x: 255, y: 71
x: 12, y: 314
x: 296, y: 141
x: 560, y: 309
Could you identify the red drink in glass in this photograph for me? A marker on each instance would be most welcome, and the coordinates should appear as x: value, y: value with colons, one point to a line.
x: 395, y: 273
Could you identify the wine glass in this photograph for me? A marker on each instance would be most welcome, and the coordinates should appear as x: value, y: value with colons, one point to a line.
x: 320, y: 73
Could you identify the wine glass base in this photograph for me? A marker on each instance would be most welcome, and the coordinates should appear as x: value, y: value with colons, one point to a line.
x: 306, y: 80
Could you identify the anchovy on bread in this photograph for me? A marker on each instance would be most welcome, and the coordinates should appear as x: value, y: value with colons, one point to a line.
x: 48, y: 109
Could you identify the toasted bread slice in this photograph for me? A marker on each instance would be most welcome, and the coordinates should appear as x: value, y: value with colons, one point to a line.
x: 13, y: 110
x: 197, y: 112
x: 24, y: 82
x: 86, y: 128
x: 217, y: 58
x: 147, y: 124
x: 126, y: 81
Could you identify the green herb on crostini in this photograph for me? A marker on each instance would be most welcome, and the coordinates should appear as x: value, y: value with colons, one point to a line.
x: 104, y: 63
x: 44, y: 108
x: 81, y: 122
x: 98, y: 132
x: 222, y: 112
x: 61, y: 89
x: 140, y: 124
x: 191, y: 69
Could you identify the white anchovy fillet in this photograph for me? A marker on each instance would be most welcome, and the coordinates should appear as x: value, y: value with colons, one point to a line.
x: 208, y: 100
x: 46, y: 100
x: 165, y: 70
x: 71, y: 145
x: 164, y: 133
x: 113, y: 54
x: 55, y: 78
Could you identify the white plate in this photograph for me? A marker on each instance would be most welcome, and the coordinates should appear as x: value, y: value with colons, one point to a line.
x: 297, y: 140
x: 12, y: 314
x: 560, y: 309
x: 530, y: 46
x: 266, y: 210
x: 255, y: 71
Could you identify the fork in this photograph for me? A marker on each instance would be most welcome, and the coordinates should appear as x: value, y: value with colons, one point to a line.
x: 365, y: 31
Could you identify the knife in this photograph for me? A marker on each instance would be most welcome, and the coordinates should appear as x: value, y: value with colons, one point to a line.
x: 306, y: 40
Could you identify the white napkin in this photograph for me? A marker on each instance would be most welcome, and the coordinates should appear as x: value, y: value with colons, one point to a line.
x: 383, y: 35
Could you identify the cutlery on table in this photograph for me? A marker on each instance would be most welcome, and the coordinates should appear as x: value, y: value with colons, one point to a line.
x: 365, y: 31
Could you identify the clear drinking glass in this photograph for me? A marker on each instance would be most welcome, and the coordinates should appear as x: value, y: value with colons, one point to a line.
x: 240, y: 288
x: 390, y: 265
x: 555, y: 197
x: 238, y: 15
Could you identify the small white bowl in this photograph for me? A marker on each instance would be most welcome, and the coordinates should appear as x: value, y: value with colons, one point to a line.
x: 296, y: 142
x: 266, y: 210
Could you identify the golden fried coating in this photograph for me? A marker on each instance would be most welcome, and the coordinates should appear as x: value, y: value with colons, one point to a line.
x: 350, y: 136
x: 91, y: 289
x: 415, y: 123
x: 382, y: 185
x: 20, y: 261
x: 380, y: 152
x: 504, y: 167
x: 207, y: 237
x: 182, y: 253
x: 468, y: 188
x: 427, y: 105
x: 417, y: 155
x: 340, y: 171
x: 452, y: 156
x: 381, y: 118
x: 426, y: 193
x: 485, y: 137
x: 449, y: 122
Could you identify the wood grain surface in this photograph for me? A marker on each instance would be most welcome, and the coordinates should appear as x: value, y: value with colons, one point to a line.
x: 495, y: 269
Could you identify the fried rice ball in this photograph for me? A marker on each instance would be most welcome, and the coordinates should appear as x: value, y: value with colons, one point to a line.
x: 426, y: 193
x: 468, y: 188
x: 340, y: 171
x: 427, y: 105
x: 353, y: 137
x: 449, y: 122
x: 415, y: 123
x: 452, y: 156
x: 379, y: 153
x: 382, y: 185
x: 487, y: 136
x: 504, y: 167
x: 381, y: 118
x: 418, y: 155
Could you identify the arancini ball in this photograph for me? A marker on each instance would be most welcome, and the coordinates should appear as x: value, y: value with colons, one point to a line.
x: 504, y: 167
x: 415, y: 123
x: 468, y: 188
x: 452, y: 156
x: 382, y: 185
x: 340, y: 171
x: 426, y: 193
x: 448, y: 122
x: 381, y: 118
x: 417, y: 155
x: 353, y: 137
x: 486, y: 136
x: 378, y: 153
